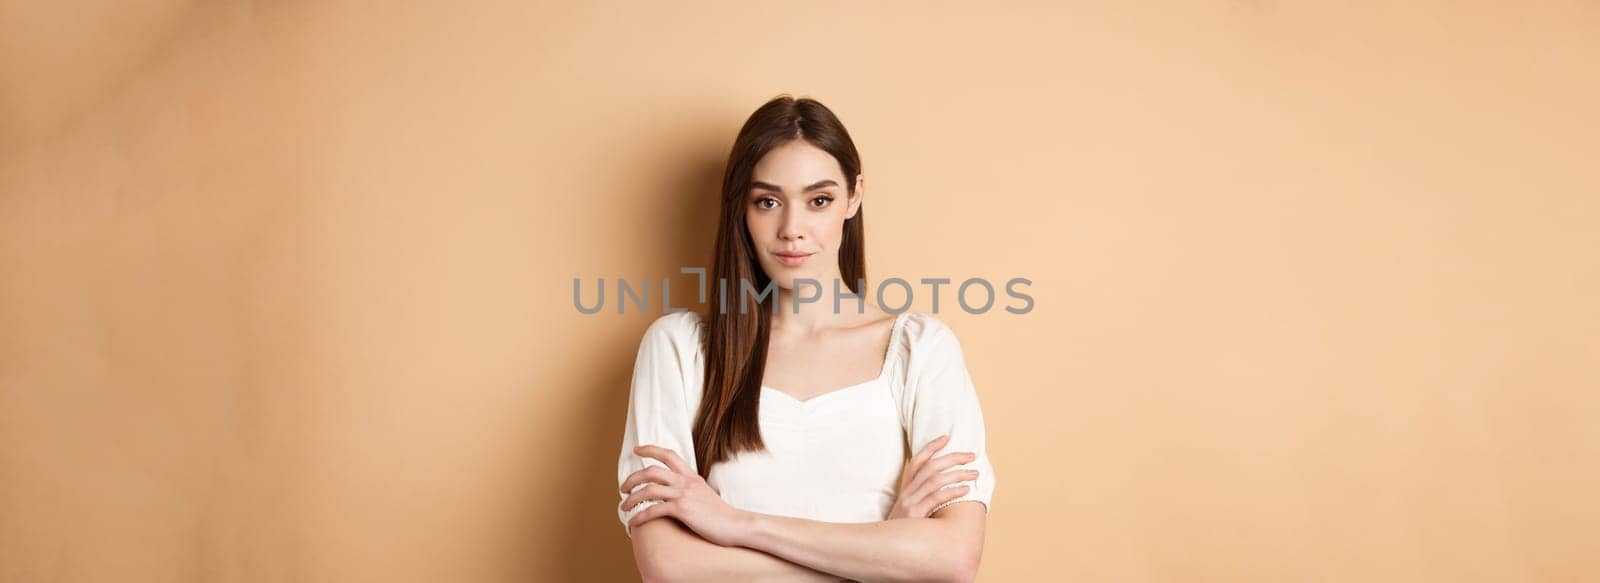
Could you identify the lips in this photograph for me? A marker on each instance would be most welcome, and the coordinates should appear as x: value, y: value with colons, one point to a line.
x: 793, y: 258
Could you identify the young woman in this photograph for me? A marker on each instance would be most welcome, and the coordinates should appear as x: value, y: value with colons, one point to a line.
x: 773, y: 440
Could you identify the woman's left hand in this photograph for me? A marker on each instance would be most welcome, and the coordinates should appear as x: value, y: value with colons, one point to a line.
x: 683, y: 495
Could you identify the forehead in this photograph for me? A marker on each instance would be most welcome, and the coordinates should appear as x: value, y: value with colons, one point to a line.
x: 796, y: 164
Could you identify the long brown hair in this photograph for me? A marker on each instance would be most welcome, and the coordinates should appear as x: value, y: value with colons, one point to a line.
x: 735, y: 342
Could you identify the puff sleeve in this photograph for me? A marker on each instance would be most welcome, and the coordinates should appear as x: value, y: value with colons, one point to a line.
x: 660, y: 410
x: 939, y: 399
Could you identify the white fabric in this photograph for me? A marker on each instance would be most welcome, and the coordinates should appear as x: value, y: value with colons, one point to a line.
x: 835, y: 457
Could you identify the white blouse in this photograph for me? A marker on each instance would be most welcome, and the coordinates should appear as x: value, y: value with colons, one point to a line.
x: 835, y: 457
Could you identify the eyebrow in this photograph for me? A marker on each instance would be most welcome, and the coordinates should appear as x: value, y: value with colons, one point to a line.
x: 818, y: 185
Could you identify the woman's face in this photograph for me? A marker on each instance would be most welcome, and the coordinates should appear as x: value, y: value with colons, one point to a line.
x: 798, y: 202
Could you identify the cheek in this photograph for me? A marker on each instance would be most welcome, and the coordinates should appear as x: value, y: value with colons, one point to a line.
x: 756, y: 225
x: 836, y: 227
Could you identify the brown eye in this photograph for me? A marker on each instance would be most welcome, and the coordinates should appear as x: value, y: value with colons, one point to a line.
x: 762, y: 203
x: 821, y: 201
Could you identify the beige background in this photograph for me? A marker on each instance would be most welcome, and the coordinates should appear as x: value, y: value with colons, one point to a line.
x: 285, y: 288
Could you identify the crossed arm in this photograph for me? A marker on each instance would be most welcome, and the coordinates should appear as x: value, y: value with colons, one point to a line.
x: 704, y: 539
x: 666, y: 551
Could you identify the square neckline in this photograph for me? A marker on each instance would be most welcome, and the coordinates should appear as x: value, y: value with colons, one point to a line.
x: 883, y: 372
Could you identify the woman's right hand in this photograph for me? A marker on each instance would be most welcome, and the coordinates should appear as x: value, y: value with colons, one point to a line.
x: 922, y: 483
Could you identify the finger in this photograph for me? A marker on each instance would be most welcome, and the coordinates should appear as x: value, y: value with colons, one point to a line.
x: 937, y: 483
x: 651, y: 492
x: 945, y: 495
x: 914, y: 465
x: 940, y: 464
x: 928, y: 450
x: 651, y: 513
x: 665, y: 456
x: 653, y: 473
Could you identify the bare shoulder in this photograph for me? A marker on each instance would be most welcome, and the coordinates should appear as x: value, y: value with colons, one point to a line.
x: 873, y: 318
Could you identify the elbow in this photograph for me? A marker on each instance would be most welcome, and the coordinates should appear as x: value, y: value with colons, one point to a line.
x: 947, y: 564
x: 653, y: 569
x: 966, y: 573
x: 654, y: 566
x: 648, y: 577
x: 961, y: 566
x: 960, y: 574
x: 945, y: 560
x: 652, y: 573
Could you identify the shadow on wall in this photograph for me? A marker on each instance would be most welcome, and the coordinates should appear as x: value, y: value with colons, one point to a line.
x: 680, y: 224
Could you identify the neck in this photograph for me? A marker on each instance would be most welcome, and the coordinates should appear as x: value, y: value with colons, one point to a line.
x: 812, y: 315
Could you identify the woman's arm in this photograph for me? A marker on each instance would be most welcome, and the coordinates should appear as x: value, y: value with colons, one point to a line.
x: 945, y: 547
x: 666, y: 551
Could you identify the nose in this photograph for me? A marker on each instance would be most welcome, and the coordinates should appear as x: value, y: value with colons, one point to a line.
x: 790, y: 229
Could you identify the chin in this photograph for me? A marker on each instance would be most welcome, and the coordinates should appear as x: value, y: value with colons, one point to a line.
x: 786, y: 280
x: 786, y: 277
